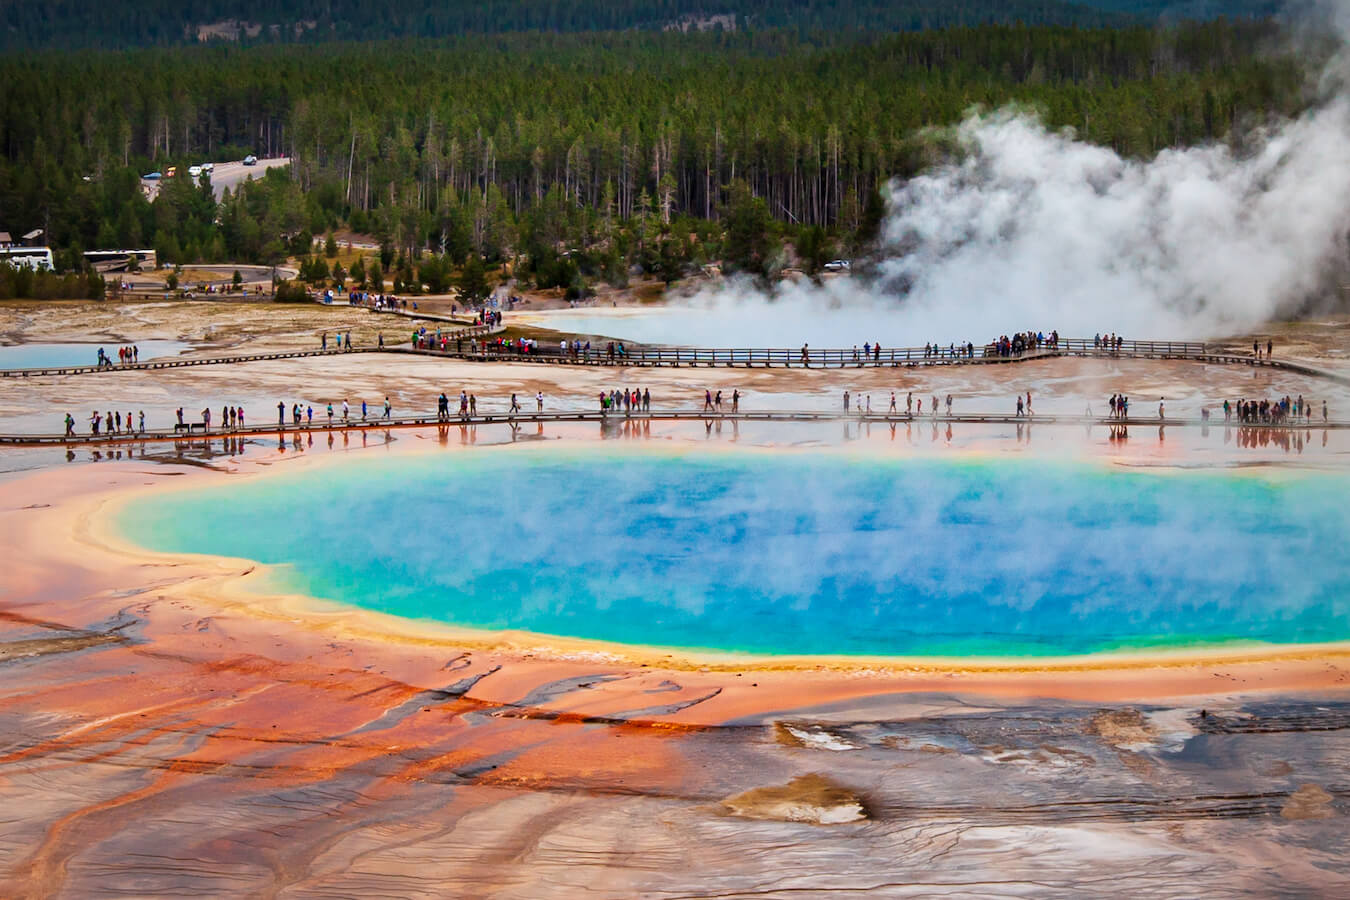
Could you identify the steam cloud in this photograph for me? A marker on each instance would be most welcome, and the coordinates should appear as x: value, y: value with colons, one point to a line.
x: 1035, y: 229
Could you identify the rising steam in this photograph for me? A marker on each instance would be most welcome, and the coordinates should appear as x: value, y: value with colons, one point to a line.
x: 1036, y: 229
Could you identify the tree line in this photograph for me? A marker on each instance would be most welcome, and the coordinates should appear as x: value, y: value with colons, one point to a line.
x: 599, y: 145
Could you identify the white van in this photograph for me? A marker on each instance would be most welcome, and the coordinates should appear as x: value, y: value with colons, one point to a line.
x: 195, y: 171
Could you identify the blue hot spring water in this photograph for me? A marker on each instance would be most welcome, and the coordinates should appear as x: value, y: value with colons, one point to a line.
x: 789, y: 553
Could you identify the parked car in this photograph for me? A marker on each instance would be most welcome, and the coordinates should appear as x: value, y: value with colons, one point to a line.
x: 838, y: 265
x: 208, y: 167
x: 153, y: 176
x: 173, y: 170
x: 250, y: 160
x: 195, y: 171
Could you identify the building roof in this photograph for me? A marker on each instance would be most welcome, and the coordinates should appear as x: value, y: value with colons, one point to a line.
x: 5, y: 238
x: 33, y: 235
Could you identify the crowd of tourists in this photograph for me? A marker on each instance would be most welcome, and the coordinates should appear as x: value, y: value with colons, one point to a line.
x: 1019, y: 343
x: 1284, y: 410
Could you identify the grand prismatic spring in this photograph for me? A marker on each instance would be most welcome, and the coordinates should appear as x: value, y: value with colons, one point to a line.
x: 795, y: 554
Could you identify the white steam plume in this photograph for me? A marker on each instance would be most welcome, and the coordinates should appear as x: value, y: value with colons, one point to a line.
x: 1034, y: 229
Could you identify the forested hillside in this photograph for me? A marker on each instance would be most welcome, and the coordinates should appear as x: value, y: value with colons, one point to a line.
x: 26, y: 25
x: 615, y: 145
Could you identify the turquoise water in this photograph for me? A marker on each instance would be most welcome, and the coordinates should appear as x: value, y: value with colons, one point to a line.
x: 794, y: 554
x: 48, y: 356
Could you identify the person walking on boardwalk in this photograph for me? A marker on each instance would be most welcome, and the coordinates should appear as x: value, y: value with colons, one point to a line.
x: 142, y: 421
x: 1019, y: 406
x: 381, y: 340
x: 1160, y: 408
x: 892, y: 409
x: 949, y: 404
x: 70, y: 425
x: 180, y: 415
x: 206, y: 419
x: 539, y: 401
x: 93, y: 423
x: 346, y: 411
x: 1270, y: 348
x: 806, y: 355
x: 1028, y: 402
x: 295, y: 414
x: 735, y: 400
x: 846, y: 405
x: 309, y: 416
x: 281, y: 414
x: 330, y: 414
x: 515, y: 405
x: 349, y: 341
x: 717, y: 402
x: 239, y: 411
x: 909, y: 404
x: 647, y: 402
x: 473, y: 405
x: 1324, y: 412
x: 323, y: 341
x: 363, y: 409
x: 707, y: 400
x: 388, y: 410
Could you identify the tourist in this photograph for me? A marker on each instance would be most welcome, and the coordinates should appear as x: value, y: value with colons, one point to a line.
x: 70, y: 425
x: 330, y: 414
x: 93, y: 422
x: 473, y: 405
x: 117, y: 422
x: 1160, y: 408
x: 717, y: 402
x: 846, y: 405
x: 647, y: 402
x: 180, y: 415
x: 141, y: 421
x: 1324, y: 412
x: 892, y: 409
x: 381, y: 340
x: 806, y: 357
x: 1270, y: 349
x: 349, y: 340
x: 949, y: 404
x: 239, y: 411
x: 363, y: 410
x: 387, y: 408
x: 909, y: 404
x: 309, y: 416
x: 346, y: 411
x: 539, y: 401
x: 206, y: 419
x: 1028, y: 402
x: 1019, y: 405
x: 707, y: 400
x: 296, y: 414
x: 515, y: 405
x: 1256, y: 349
x: 735, y: 400
x: 323, y: 341
x: 281, y: 414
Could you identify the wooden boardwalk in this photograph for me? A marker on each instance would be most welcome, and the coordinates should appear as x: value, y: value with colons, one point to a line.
x: 691, y: 414
x: 749, y: 358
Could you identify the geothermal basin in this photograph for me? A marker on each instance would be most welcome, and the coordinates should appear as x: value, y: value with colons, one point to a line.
x: 796, y: 553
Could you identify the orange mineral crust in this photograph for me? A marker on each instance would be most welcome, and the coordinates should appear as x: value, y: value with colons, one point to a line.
x: 166, y: 730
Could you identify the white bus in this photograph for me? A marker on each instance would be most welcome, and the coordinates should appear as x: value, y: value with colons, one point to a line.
x: 32, y: 257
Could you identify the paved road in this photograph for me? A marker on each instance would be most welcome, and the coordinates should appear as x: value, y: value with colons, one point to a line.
x: 227, y: 175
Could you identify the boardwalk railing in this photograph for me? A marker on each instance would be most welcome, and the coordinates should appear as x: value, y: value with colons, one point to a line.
x: 828, y: 358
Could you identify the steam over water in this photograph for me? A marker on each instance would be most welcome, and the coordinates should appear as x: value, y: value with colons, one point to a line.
x: 788, y: 554
x: 1034, y: 229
